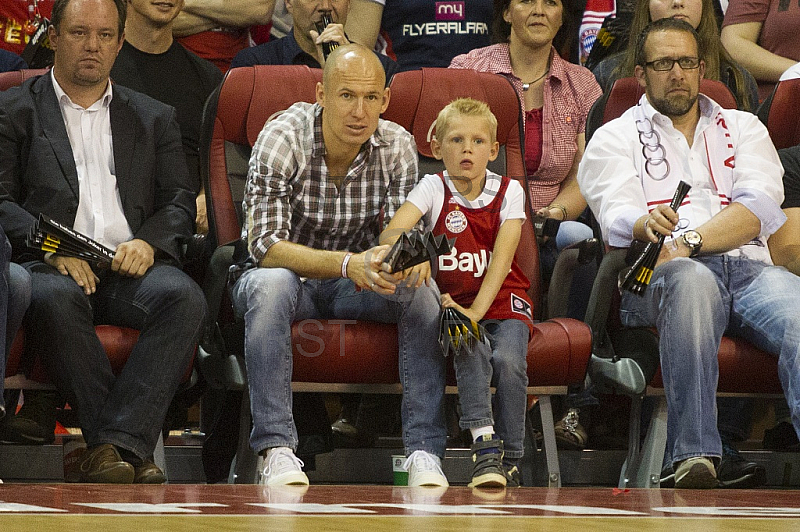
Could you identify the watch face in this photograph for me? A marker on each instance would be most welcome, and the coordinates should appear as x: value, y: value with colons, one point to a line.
x: 692, y: 238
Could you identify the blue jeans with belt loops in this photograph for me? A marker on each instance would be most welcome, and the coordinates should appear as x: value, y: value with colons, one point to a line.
x: 693, y: 303
x: 270, y: 299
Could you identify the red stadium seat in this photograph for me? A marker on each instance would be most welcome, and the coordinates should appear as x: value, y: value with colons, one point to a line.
x: 13, y: 78
x: 778, y: 114
x: 626, y: 92
x: 349, y: 358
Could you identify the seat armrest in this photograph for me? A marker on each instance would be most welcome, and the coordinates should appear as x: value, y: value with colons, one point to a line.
x: 569, y: 259
x: 220, y: 367
x: 604, y: 289
x: 628, y: 366
x: 216, y: 280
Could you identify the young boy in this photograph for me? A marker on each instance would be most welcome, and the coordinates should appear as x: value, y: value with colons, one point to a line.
x: 485, y: 212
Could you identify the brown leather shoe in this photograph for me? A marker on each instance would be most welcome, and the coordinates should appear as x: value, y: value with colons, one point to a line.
x: 103, y: 464
x: 149, y: 473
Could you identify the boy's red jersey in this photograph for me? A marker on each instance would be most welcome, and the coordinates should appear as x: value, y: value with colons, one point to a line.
x: 462, y: 272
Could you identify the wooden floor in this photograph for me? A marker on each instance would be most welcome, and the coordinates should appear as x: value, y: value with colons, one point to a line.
x: 194, y: 508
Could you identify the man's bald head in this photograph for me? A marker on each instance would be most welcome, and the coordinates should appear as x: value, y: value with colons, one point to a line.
x: 353, y: 94
x: 352, y: 58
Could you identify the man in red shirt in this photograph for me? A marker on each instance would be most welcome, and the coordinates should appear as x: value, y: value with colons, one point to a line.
x: 217, y: 29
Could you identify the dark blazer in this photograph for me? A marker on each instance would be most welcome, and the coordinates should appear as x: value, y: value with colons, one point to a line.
x: 38, y: 174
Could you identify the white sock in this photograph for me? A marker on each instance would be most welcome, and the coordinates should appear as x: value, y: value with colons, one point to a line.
x: 480, y: 431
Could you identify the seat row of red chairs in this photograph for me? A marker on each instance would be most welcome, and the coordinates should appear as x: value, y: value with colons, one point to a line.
x: 361, y: 356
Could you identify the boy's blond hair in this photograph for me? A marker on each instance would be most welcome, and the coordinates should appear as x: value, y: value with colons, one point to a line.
x: 465, y: 107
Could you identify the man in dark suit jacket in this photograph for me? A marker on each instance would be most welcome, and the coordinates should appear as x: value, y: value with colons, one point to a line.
x: 108, y: 162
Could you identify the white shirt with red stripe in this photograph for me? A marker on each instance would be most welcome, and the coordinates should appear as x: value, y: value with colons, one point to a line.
x: 732, y: 159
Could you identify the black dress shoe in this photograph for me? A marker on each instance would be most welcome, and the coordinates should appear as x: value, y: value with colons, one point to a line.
x: 148, y: 473
x: 35, y: 423
x: 734, y: 471
x: 103, y: 464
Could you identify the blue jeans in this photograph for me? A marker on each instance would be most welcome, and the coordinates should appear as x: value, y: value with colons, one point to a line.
x: 692, y: 303
x: 128, y: 410
x: 270, y: 299
x: 505, y: 365
x: 15, y: 294
x: 510, y: 378
x: 571, y: 233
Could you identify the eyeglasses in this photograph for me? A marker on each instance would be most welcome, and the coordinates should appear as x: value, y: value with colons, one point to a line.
x: 666, y: 64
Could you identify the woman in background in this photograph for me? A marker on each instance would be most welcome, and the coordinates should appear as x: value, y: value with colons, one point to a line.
x: 700, y: 14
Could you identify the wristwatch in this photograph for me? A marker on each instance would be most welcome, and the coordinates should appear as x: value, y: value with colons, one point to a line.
x: 694, y: 241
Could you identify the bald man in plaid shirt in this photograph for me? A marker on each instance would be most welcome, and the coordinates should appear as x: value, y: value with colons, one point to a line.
x: 323, y: 180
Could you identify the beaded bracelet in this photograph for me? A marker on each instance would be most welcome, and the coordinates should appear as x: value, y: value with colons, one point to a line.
x: 345, y: 262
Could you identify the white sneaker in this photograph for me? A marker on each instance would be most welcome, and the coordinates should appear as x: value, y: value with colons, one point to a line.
x: 282, y: 468
x: 424, y: 469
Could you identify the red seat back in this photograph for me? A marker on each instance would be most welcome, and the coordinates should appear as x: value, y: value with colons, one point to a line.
x: 626, y: 92
x: 781, y: 120
x: 419, y: 95
x: 246, y: 100
x: 16, y: 77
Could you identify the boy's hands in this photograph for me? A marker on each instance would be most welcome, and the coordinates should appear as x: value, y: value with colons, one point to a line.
x: 415, y: 276
x: 447, y: 302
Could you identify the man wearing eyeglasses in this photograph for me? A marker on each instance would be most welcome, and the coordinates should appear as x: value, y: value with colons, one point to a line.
x: 714, y: 274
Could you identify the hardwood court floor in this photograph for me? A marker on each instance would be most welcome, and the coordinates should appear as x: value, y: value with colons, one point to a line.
x: 196, y: 508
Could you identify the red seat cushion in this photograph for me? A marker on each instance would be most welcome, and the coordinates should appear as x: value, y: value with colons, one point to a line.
x: 118, y: 343
x: 327, y: 351
x: 743, y: 368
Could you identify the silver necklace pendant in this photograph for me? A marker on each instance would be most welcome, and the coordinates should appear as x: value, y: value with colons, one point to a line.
x: 526, y: 86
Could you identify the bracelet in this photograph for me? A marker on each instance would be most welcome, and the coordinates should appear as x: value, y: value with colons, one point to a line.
x: 345, y: 262
x: 561, y: 208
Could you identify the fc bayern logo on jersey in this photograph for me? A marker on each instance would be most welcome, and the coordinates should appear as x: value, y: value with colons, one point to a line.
x: 520, y: 306
x: 455, y: 222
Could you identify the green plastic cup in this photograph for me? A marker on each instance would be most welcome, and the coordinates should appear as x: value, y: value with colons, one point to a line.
x: 400, y: 474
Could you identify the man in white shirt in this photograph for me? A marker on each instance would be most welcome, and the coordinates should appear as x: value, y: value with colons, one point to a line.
x: 714, y: 273
x: 108, y: 162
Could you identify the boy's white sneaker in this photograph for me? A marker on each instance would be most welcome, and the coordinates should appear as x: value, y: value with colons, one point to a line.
x: 424, y: 469
x: 282, y: 468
